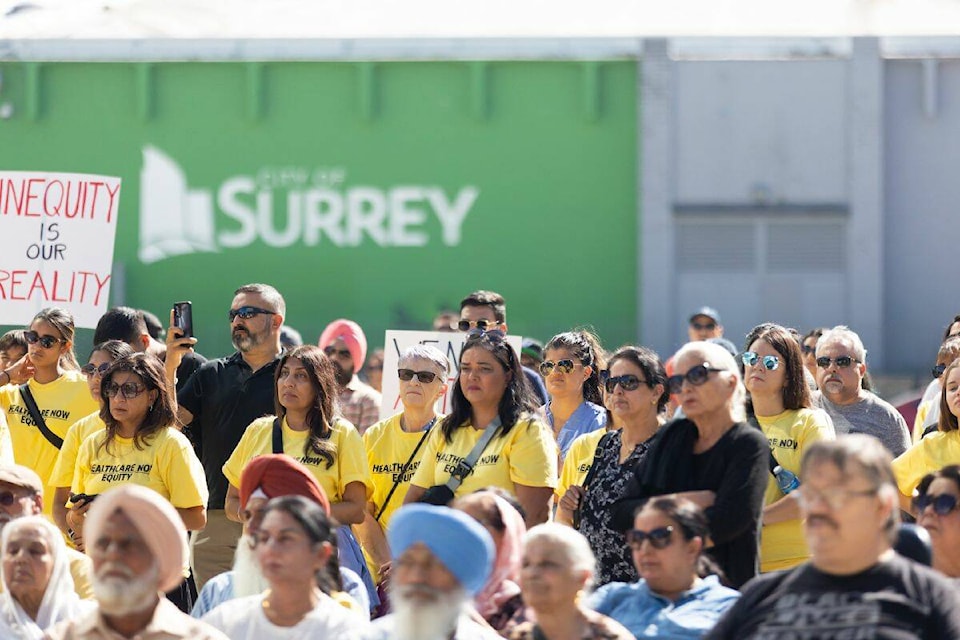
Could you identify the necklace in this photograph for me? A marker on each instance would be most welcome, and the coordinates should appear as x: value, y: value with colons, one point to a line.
x: 279, y: 619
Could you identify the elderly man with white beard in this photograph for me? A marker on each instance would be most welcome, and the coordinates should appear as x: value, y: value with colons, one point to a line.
x: 441, y: 559
x: 138, y: 545
x: 265, y: 477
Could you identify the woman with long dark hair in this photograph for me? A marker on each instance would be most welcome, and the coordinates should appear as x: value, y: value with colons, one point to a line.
x: 293, y: 548
x: 520, y: 454
x: 61, y: 478
x: 307, y: 428
x: 636, y: 384
x: 58, y: 389
x: 571, y: 370
x: 779, y: 400
x: 138, y: 445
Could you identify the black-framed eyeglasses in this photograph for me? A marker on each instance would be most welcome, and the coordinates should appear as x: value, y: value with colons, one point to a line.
x: 247, y: 312
x: 938, y: 370
x: 331, y: 351
x: 482, y: 324
x: 32, y: 337
x: 942, y: 504
x: 842, y: 362
x: 751, y: 358
x: 426, y: 377
x: 91, y: 369
x: 807, y: 349
x: 696, y: 376
x: 566, y: 365
x: 628, y: 382
x: 128, y: 390
x: 660, y: 538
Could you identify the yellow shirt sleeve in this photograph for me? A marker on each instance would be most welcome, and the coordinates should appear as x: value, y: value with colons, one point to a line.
x: 930, y: 454
x: 534, y: 455
x: 352, y: 458
x: 62, y: 475
x: 84, y: 460
x: 922, y: 412
x: 181, y: 472
x: 578, y: 461
x: 246, y: 449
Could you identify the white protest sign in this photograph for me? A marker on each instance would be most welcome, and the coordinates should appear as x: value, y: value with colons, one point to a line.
x: 58, y: 232
x: 395, y: 342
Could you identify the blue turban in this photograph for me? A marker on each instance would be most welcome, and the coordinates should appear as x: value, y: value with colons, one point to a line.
x: 461, y: 543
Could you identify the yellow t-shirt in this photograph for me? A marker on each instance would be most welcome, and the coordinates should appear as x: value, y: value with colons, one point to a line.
x: 6, y: 446
x: 388, y: 449
x: 62, y: 474
x: 932, y: 453
x: 527, y: 455
x: 62, y: 402
x: 166, y: 464
x: 349, y: 458
x: 579, y: 460
x: 922, y: 412
x: 782, y: 545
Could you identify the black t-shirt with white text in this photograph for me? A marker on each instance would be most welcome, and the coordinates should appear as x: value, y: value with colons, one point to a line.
x: 896, y: 599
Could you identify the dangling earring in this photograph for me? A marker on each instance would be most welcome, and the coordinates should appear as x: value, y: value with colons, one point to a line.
x: 151, y: 406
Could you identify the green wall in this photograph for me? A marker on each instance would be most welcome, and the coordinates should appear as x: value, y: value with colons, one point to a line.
x: 549, y: 147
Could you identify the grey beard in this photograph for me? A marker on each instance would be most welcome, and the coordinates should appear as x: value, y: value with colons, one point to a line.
x: 414, y: 620
x: 247, y: 340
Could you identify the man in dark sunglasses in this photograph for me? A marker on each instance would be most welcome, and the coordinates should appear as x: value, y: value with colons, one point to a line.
x: 21, y: 495
x: 219, y: 401
x: 841, y: 365
x: 855, y: 585
x: 704, y: 324
x: 487, y: 311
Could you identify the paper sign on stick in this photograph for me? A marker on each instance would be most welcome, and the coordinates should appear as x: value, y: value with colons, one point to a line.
x: 395, y: 342
x: 58, y: 231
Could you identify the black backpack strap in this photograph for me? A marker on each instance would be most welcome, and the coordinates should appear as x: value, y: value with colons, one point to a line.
x: 34, y: 410
x: 277, y: 436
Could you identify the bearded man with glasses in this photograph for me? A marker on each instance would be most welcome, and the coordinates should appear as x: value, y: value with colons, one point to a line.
x: 841, y: 367
x: 855, y: 585
x: 217, y: 403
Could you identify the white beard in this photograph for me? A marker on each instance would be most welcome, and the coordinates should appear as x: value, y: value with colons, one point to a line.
x: 127, y: 595
x: 415, y: 619
x: 248, y: 580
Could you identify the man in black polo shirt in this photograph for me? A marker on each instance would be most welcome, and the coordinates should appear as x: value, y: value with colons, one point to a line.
x: 217, y: 404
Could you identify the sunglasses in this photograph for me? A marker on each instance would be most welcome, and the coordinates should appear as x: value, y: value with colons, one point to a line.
x: 807, y: 349
x: 938, y: 370
x: 659, y: 538
x: 709, y: 326
x: 842, y: 362
x: 93, y: 370
x: 627, y: 382
x: 129, y: 390
x: 342, y: 353
x: 942, y: 504
x: 426, y: 377
x: 563, y: 366
x: 46, y: 342
x: 483, y: 325
x: 494, y: 335
x: 696, y: 376
x: 751, y: 358
x: 7, y: 498
x: 245, y: 313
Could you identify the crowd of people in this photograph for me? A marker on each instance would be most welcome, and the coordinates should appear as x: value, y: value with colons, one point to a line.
x: 753, y: 491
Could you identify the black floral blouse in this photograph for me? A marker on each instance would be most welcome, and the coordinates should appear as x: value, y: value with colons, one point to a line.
x: 609, y: 484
